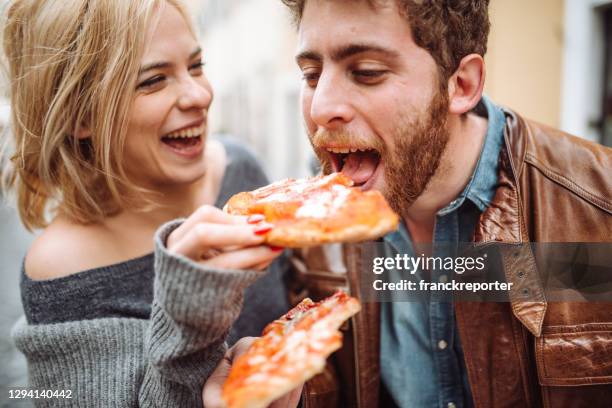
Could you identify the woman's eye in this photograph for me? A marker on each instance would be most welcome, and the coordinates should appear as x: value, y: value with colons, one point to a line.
x: 151, y: 82
x: 197, y: 66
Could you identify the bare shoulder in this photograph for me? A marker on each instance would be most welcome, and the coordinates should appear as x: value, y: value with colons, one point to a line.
x: 65, y: 248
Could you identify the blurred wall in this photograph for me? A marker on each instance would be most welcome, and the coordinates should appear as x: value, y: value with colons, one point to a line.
x: 524, y: 60
x: 582, y: 85
x: 248, y: 48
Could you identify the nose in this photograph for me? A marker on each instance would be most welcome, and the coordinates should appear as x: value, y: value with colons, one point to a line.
x: 331, y: 107
x: 195, y: 93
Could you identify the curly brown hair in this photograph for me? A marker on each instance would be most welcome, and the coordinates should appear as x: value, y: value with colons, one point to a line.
x: 448, y: 29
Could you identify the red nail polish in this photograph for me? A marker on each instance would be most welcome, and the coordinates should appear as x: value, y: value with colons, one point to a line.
x: 255, y: 218
x: 276, y: 248
x: 262, y: 229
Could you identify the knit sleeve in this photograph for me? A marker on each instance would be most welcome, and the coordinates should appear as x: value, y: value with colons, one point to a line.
x: 160, y: 362
x: 192, y: 312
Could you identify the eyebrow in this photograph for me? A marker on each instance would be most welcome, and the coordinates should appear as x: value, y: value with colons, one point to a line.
x: 161, y: 64
x: 347, y: 51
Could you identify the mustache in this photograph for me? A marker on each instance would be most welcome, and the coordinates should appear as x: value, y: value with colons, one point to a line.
x: 342, y: 138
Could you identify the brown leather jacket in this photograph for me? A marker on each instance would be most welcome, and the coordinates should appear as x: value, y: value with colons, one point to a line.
x: 553, y: 187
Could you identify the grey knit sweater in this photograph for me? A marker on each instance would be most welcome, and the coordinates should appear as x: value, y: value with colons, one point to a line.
x: 111, y: 358
x: 160, y: 362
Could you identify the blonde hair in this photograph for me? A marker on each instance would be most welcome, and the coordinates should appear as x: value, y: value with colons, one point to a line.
x: 73, y: 64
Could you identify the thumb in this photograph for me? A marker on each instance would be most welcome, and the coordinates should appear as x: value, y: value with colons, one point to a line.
x: 211, y: 395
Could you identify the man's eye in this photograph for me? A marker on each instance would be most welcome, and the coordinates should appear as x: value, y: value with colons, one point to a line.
x: 369, y: 76
x: 311, y: 78
x: 151, y: 82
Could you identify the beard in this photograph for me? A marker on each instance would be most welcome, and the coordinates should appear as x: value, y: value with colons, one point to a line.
x: 417, y: 154
x: 412, y: 161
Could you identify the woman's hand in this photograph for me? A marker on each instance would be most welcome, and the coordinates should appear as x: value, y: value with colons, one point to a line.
x: 219, y: 240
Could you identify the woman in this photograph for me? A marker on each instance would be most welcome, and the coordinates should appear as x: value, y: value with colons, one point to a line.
x: 109, y: 112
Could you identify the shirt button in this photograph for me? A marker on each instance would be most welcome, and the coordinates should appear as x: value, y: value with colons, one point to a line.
x: 451, y: 405
x: 442, y: 344
x: 443, y: 278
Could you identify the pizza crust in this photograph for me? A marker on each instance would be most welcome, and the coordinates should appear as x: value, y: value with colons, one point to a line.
x: 292, y: 236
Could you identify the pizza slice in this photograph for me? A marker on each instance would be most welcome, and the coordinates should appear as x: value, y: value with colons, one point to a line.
x: 292, y: 350
x: 317, y: 210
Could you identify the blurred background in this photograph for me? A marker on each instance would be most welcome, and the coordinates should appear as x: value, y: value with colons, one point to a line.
x: 548, y: 59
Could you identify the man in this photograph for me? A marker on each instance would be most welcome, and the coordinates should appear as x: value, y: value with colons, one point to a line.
x: 401, y: 82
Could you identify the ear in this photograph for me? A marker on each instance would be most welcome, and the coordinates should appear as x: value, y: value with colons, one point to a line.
x: 466, y: 84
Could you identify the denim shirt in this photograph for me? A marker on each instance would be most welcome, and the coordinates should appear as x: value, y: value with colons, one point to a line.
x: 421, y: 357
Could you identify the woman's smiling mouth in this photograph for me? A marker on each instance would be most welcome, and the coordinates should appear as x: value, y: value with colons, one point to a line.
x: 187, y: 142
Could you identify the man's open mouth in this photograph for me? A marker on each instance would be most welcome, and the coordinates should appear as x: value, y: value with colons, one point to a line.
x: 359, y: 164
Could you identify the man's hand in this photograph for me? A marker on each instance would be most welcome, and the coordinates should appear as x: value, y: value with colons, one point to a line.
x: 211, y: 394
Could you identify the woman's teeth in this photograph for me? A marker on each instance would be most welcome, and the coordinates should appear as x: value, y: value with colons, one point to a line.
x: 190, y: 132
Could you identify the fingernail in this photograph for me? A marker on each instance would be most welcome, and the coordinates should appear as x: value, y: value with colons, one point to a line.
x: 262, y: 229
x: 255, y: 218
x: 276, y: 248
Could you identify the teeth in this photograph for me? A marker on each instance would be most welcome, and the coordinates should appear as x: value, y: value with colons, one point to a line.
x: 190, y: 132
x: 339, y: 150
x: 346, y: 150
